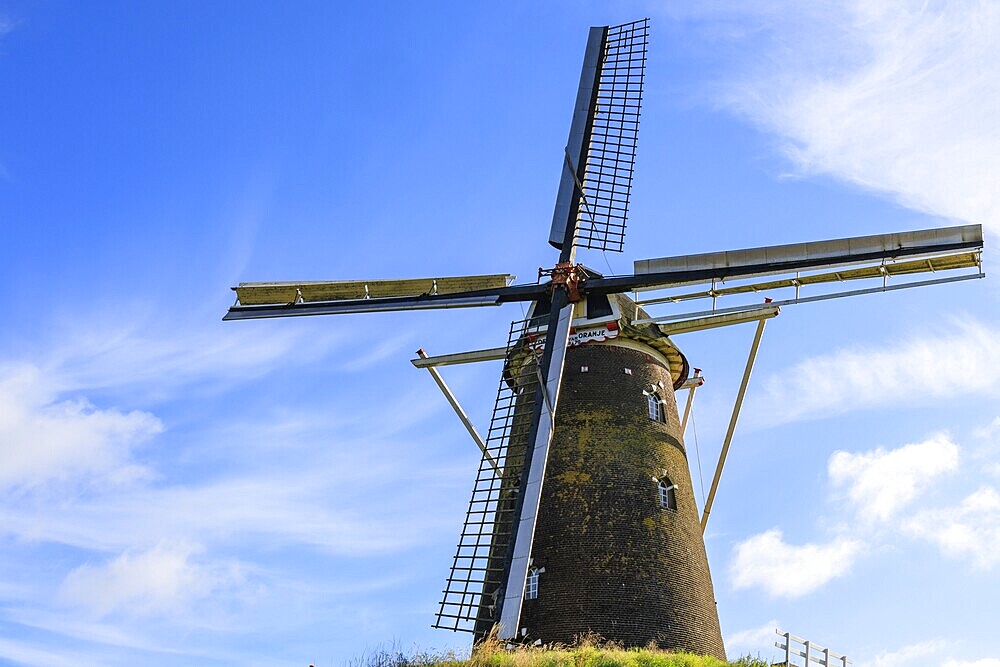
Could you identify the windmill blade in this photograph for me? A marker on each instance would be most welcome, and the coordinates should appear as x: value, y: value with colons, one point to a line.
x: 596, y: 180
x: 935, y: 264
x: 604, y: 150
x: 772, y: 260
x: 293, y: 299
x: 255, y: 294
x: 550, y: 371
x: 471, y: 594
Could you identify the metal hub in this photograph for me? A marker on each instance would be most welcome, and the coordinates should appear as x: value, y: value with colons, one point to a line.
x: 568, y: 276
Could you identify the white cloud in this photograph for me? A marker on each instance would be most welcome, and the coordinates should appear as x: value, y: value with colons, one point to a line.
x: 28, y: 653
x: 989, y: 431
x: 69, y: 622
x: 314, y: 508
x: 906, y: 655
x: 160, y: 357
x: 49, y: 430
x: 380, y: 351
x: 753, y: 639
x: 987, y: 452
x: 982, y: 662
x: 316, y: 499
x: 162, y: 579
x: 906, y: 372
x: 970, y: 530
x: 43, y: 438
x: 786, y: 570
x: 881, y: 482
x: 900, y: 96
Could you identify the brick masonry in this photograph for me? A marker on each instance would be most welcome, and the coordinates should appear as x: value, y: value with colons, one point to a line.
x: 615, y: 562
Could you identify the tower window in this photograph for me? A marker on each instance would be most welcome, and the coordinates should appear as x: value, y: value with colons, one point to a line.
x: 598, y: 306
x: 655, y: 406
x: 531, y: 584
x: 668, y: 499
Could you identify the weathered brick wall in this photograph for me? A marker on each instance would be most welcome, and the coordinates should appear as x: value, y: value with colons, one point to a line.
x: 615, y: 562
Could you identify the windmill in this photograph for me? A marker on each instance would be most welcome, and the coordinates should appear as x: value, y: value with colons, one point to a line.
x: 582, y: 515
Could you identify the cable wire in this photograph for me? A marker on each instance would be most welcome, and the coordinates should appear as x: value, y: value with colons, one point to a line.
x: 697, y: 451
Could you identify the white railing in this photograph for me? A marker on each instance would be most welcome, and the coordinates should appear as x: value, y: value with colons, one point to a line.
x: 809, y: 651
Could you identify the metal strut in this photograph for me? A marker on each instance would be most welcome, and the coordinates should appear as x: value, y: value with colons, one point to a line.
x: 732, y: 423
x: 461, y: 413
x: 695, y: 382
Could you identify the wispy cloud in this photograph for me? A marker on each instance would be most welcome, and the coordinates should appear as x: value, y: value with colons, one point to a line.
x: 69, y: 622
x: 753, y: 639
x: 907, y: 654
x: 903, y: 373
x: 989, y: 431
x: 6, y: 25
x: 879, y: 483
x: 281, y: 508
x: 380, y: 351
x: 987, y: 451
x: 51, y: 435
x: 28, y: 653
x: 161, y: 525
x: 787, y: 570
x: 900, y: 97
x: 43, y: 438
x: 982, y: 662
x: 165, y: 578
x: 137, y: 350
x: 51, y: 432
x: 969, y: 530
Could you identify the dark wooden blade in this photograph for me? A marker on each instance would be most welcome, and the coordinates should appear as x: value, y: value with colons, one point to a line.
x: 596, y: 181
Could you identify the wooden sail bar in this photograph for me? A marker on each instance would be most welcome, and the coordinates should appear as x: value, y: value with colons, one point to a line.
x: 256, y: 294
x: 773, y: 260
x: 883, y: 270
x: 810, y: 299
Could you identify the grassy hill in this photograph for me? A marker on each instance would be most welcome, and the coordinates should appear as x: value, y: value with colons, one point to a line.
x: 588, y: 653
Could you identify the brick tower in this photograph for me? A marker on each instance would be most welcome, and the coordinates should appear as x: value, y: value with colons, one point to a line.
x: 618, y: 547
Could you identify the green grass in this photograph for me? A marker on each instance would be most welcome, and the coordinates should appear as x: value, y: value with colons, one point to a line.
x: 589, y: 653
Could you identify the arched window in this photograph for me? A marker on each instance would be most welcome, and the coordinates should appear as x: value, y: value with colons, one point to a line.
x: 655, y: 406
x: 531, y: 584
x: 668, y: 499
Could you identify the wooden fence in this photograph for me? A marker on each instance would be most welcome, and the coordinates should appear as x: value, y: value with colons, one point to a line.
x: 809, y: 651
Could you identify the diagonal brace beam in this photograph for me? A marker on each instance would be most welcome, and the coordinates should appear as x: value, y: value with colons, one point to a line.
x: 461, y: 414
x: 732, y: 422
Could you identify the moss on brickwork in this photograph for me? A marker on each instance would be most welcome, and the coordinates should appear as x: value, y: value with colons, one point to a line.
x: 615, y: 562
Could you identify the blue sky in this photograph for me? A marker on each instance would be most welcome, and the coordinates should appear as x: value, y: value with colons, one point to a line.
x: 175, y: 490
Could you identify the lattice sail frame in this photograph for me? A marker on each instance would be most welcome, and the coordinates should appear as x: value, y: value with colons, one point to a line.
x: 477, y: 573
x: 610, y: 160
